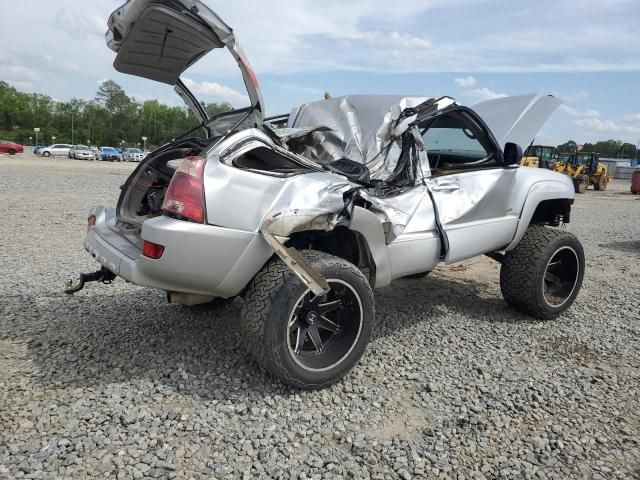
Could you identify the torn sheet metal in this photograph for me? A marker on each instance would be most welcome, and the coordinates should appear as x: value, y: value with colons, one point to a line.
x: 298, y: 265
x: 308, y: 202
x: 357, y: 127
x: 396, y: 211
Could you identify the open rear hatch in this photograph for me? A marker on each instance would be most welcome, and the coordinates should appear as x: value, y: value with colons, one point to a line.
x: 160, y: 39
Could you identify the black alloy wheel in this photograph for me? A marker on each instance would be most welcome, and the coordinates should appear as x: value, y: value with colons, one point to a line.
x: 323, y: 330
x: 561, y: 276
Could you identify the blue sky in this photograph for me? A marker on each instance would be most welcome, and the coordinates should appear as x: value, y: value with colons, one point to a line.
x: 586, y: 52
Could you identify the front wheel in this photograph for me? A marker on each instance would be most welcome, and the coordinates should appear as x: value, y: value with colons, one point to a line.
x: 601, y: 184
x: 543, y: 274
x: 46, y: 154
x: 305, y: 340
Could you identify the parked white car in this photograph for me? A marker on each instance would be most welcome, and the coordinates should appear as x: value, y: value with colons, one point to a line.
x: 81, y: 152
x: 304, y: 222
x: 132, y: 155
x: 56, y: 149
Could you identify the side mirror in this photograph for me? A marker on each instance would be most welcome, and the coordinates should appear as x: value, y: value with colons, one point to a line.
x: 512, y: 153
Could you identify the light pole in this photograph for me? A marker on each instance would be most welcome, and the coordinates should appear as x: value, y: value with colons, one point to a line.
x: 71, y: 128
x: 30, y: 140
x: 53, y: 138
x: 144, y: 140
x: 36, y: 130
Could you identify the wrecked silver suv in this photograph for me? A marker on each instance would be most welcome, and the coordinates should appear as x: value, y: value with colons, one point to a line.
x: 348, y: 194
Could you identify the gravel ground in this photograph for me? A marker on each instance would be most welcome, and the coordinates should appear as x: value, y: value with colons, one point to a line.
x: 113, y: 382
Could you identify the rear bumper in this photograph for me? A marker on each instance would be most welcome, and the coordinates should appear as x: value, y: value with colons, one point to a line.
x: 198, y: 259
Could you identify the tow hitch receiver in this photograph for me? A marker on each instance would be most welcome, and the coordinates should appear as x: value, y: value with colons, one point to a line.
x: 103, y: 275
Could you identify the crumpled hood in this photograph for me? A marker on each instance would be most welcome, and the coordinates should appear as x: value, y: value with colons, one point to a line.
x: 517, y: 119
x: 357, y: 127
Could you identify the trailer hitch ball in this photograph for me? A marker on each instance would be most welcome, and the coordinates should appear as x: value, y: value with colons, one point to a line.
x: 104, y: 275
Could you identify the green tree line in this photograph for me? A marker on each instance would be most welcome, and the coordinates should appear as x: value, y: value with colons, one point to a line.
x: 606, y: 148
x: 112, y: 116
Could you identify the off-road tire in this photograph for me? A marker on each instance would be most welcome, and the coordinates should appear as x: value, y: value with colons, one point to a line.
x: 581, y: 183
x: 523, y: 271
x: 267, y: 305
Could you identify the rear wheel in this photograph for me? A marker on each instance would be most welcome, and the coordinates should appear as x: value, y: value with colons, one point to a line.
x: 305, y: 340
x: 543, y: 274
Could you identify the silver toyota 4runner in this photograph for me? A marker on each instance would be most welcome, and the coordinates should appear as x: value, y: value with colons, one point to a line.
x: 303, y: 215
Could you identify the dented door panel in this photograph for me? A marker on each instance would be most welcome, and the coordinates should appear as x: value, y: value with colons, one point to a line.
x: 473, y: 210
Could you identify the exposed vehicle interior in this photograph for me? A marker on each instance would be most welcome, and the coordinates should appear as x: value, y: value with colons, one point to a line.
x: 267, y: 160
x: 455, y: 142
x: 143, y: 193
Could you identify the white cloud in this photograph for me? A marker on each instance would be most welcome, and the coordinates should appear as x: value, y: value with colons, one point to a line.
x: 217, y: 92
x: 301, y: 88
x: 77, y: 23
x: 465, y: 82
x: 593, y: 124
x: 572, y: 112
x: 477, y: 95
x: 607, y: 126
x: 572, y: 96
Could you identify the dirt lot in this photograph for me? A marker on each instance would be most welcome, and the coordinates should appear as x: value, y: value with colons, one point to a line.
x: 114, y: 382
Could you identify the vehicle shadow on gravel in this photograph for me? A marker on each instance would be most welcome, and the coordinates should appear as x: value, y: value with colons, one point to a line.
x: 99, y: 339
x: 136, y: 337
x: 411, y: 301
x: 631, y: 246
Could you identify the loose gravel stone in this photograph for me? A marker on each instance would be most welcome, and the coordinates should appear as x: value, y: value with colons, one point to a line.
x: 114, y: 382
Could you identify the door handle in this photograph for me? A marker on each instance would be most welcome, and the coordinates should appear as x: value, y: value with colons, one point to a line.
x: 446, y: 187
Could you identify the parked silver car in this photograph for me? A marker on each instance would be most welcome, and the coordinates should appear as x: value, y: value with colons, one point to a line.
x: 303, y: 222
x: 81, y: 152
x: 56, y: 149
x: 132, y: 155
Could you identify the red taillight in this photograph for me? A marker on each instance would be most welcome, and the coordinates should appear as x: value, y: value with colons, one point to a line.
x: 91, y: 221
x: 185, y: 195
x: 152, y: 250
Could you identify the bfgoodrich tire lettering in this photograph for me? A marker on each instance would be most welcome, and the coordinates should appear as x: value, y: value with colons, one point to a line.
x: 274, y: 302
x: 542, y: 276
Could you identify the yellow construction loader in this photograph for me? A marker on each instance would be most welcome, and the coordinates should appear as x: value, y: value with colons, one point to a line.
x: 584, y: 169
x: 539, y: 156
